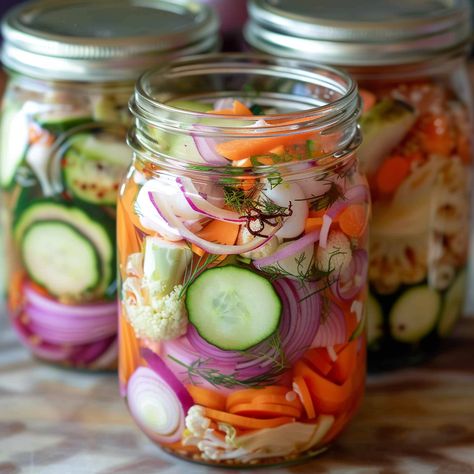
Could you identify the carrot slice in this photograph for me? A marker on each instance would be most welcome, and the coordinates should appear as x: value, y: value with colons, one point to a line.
x: 207, y: 398
x: 249, y: 394
x: 265, y: 410
x: 345, y: 363
x: 243, y: 148
x: 292, y: 401
x: 15, y: 293
x: 368, y: 99
x: 220, y: 232
x: 313, y: 223
x: 237, y: 109
x: 129, y: 354
x: 353, y: 220
x: 301, y: 388
x: 391, y: 174
x: 318, y: 357
x: 246, y: 422
x: 327, y: 396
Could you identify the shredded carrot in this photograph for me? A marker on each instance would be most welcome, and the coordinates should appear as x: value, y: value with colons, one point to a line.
x: 249, y: 394
x: 207, y: 398
x: 391, y: 174
x: 368, y: 99
x: 246, y: 422
x: 327, y: 396
x: 345, y: 363
x: 302, y: 389
x: 265, y: 410
x: 313, y: 223
x: 129, y: 354
x: 353, y: 220
x: 318, y: 357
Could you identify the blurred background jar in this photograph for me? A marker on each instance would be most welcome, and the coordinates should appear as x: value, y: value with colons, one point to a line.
x: 410, y: 61
x: 71, y: 68
x: 232, y: 15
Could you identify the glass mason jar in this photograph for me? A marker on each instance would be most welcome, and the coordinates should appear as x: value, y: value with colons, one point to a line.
x: 62, y: 157
x: 409, y: 61
x: 241, y: 328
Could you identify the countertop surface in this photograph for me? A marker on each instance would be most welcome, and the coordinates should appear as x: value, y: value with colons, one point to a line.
x: 418, y: 420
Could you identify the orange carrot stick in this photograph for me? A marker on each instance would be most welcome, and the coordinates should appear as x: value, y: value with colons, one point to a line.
x: 207, y: 398
x: 301, y: 388
x: 345, y: 363
x: 246, y: 422
x: 353, y: 220
x: 391, y: 174
x: 129, y: 354
x: 247, y: 395
x: 313, y: 223
x: 265, y: 410
x: 327, y: 396
x: 318, y: 358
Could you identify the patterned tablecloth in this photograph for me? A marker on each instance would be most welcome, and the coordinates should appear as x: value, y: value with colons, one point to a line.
x: 55, y: 421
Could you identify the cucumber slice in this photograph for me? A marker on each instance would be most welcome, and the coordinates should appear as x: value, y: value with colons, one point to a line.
x: 93, y: 166
x: 13, y: 143
x: 49, y: 261
x: 374, y: 320
x: 95, y: 229
x: 60, y: 121
x: 414, y: 314
x: 233, y: 308
x: 453, y: 304
x: 192, y: 105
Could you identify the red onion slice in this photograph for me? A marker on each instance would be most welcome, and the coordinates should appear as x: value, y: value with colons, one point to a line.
x: 155, y: 363
x: 289, y: 250
x: 154, y: 406
x: 164, y: 211
x: 206, y: 147
x: 202, y: 206
x: 332, y: 329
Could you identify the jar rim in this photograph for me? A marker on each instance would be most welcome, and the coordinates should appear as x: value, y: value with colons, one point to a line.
x: 342, y: 108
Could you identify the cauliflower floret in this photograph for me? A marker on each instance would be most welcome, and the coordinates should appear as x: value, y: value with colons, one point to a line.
x: 336, y: 256
x: 264, y: 251
x: 196, y: 423
x: 163, y: 318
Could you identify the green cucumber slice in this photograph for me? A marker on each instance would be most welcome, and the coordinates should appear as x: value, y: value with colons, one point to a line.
x: 374, y: 320
x: 191, y: 105
x: 95, y: 229
x: 233, y: 308
x: 60, y: 121
x: 61, y: 259
x: 453, y: 304
x: 13, y: 143
x: 93, y: 166
x: 414, y: 314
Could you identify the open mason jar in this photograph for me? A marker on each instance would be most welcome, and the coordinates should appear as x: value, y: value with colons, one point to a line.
x: 72, y: 67
x: 243, y: 296
x: 409, y: 60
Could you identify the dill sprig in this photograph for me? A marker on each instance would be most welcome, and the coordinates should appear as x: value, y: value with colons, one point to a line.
x: 326, y: 200
x: 192, y: 273
x: 203, y: 368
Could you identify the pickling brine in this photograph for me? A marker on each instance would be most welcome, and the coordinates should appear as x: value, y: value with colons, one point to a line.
x: 242, y: 234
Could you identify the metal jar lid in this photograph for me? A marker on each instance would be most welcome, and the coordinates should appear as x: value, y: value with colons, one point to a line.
x: 103, y: 40
x: 359, y: 32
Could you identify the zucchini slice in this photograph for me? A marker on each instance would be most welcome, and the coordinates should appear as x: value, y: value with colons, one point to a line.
x: 414, y: 314
x: 233, y: 308
x: 61, y: 259
x: 453, y: 304
x: 374, y: 320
